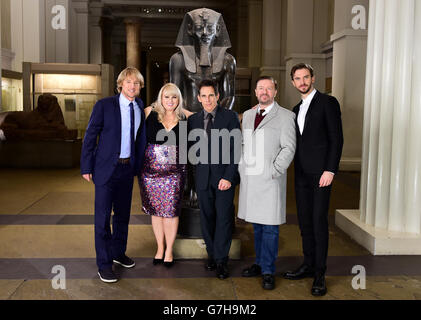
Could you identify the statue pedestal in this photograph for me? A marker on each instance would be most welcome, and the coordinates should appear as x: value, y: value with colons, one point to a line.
x: 190, y: 244
x: 196, y: 249
x: 189, y: 226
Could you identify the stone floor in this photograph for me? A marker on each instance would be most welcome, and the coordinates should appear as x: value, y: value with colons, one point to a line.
x: 46, y: 220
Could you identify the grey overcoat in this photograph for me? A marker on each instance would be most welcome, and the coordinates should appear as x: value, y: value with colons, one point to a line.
x: 266, y: 155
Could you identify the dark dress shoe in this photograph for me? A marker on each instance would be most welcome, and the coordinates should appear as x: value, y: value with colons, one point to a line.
x: 222, y: 271
x: 210, y: 265
x: 302, y: 272
x: 319, y: 286
x: 169, y: 264
x: 107, y: 275
x: 157, y: 261
x: 268, y: 282
x: 125, y: 261
x: 253, y: 271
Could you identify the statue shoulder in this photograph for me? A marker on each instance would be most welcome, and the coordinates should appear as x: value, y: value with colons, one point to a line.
x: 177, y: 60
x: 229, y: 62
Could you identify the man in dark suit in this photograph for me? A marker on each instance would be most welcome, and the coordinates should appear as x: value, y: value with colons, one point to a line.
x: 319, y: 149
x: 112, y: 154
x: 216, y: 173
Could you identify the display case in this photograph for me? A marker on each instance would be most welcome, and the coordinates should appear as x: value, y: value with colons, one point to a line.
x: 11, y: 91
x: 76, y: 86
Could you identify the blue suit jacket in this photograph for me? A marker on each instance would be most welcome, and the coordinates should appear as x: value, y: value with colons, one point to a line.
x: 102, y: 142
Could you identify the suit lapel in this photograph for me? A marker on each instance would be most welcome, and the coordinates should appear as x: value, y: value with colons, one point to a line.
x: 142, y: 117
x: 313, y: 103
x: 250, y: 123
x: 218, y: 122
x: 200, y: 120
x: 296, y: 110
x: 117, y: 116
x: 268, y: 117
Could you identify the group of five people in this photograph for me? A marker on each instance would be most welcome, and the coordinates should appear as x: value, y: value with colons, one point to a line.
x: 124, y: 140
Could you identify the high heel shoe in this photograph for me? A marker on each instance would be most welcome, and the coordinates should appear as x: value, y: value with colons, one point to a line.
x: 157, y: 261
x: 169, y: 264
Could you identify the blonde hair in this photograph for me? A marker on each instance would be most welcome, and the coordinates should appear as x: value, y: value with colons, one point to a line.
x: 129, y: 71
x: 169, y: 88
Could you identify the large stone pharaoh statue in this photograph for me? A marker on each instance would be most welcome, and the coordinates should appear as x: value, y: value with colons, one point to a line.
x: 203, y: 40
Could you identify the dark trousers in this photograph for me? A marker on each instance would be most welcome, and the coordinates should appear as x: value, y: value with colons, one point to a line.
x: 312, y: 208
x: 217, y: 220
x: 115, y: 195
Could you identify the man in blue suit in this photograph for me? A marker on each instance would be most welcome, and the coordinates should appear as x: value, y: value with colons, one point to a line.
x: 112, y: 154
x: 216, y: 173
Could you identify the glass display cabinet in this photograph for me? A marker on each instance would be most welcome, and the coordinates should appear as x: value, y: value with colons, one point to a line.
x: 11, y: 91
x: 76, y: 86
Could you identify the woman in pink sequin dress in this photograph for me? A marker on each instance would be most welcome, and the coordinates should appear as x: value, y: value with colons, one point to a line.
x: 162, y: 179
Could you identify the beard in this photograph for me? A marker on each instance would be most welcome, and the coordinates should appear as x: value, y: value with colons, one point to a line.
x: 265, y: 103
x: 306, y: 90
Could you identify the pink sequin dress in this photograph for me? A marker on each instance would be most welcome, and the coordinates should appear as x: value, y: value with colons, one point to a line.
x: 162, y: 179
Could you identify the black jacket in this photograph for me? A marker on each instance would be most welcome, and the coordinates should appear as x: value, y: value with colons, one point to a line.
x: 319, y: 148
x: 222, y: 169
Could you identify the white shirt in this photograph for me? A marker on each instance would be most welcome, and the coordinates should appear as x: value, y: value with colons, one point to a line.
x: 303, y: 110
x: 267, y: 109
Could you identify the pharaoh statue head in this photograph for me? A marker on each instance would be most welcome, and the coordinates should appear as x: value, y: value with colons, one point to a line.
x: 203, y: 34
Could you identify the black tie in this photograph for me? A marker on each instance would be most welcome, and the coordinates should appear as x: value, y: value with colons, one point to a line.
x: 132, y: 153
x: 209, y: 125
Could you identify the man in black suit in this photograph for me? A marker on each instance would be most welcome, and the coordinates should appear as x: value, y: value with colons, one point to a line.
x: 319, y: 149
x: 216, y: 136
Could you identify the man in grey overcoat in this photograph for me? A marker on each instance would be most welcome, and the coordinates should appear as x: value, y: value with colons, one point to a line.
x: 269, y: 141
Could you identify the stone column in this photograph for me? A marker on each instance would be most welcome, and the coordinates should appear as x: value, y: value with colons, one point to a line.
x: 79, y: 34
x: 95, y: 33
x: 28, y: 30
x: 271, y: 44
x: 242, y: 34
x: 389, y: 219
x: 107, y: 26
x: 348, y: 75
x: 305, y: 37
x: 133, y: 47
x: 7, y: 55
x: 255, y: 33
x: 57, y: 34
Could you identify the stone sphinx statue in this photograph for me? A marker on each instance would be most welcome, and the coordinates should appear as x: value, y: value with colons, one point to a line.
x: 46, y: 122
x: 203, y: 41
